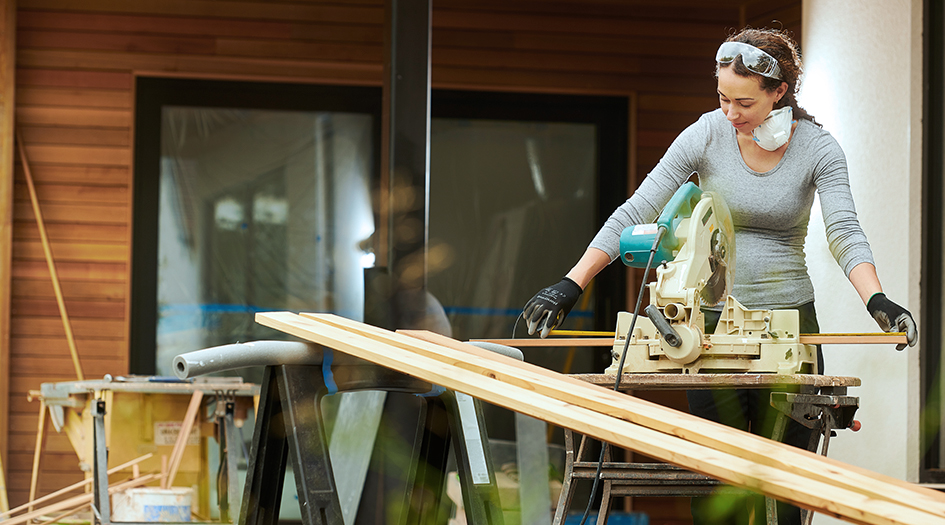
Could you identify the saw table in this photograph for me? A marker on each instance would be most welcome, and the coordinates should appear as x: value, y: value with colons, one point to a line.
x: 816, y: 401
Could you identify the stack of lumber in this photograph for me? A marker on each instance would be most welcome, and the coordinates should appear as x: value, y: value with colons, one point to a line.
x: 735, y: 457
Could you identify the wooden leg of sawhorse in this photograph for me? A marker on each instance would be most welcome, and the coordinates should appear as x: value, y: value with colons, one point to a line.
x: 575, y: 459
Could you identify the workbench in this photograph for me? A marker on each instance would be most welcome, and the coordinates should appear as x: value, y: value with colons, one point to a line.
x: 123, y: 418
x: 819, y: 402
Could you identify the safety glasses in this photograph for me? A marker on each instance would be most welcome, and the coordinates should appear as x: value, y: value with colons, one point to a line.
x: 754, y: 59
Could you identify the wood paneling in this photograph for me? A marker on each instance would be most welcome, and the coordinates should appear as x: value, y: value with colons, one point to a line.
x: 7, y: 133
x: 76, y: 64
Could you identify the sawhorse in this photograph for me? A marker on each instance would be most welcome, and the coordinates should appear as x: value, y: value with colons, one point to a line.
x: 290, y: 430
x: 821, y: 404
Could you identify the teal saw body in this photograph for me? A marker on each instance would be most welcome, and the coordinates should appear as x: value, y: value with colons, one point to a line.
x: 636, y: 241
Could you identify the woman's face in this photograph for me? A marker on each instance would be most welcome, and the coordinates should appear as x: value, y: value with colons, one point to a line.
x: 744, y: 102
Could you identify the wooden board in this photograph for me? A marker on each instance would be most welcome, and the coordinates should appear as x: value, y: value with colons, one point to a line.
x: 653, y: 416
x: 879, y: 338
x: 459, y: 372
x: 700, y: 381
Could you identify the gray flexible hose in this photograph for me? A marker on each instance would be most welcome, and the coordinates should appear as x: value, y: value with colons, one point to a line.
x: 267, y: 353
x: 243, y: 355
x: 508, y: 351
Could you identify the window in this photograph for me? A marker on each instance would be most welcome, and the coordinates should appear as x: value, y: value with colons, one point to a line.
x: 519, y: 185
x: 248, y: 197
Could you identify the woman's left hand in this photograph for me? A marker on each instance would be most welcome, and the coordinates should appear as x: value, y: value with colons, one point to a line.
x: 892, y: 318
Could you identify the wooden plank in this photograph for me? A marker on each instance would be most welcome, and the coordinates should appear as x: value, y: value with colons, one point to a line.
x: 877, y: 338
x: 153, y: 24
x: 526, y: 40
x: 330, y: 51
x: 630, y: 382
x: 348, y: 73
x: 61, y: 365
x: 83, y: 117
x: 42, y: 289
x: 74, y: 78
x: 80, y: 155
x: 783, y: 484
x: 72, y: 251
x: 562, y: 62
x: 638, y: 411
x: 77, y: 136
x: 7, y: 111
x: 193, y: 415
x: 87, y: 175
x: 23, y: 347
x: 574, y: 23
x: 74, y: 271
x: 344, y: 12
x: 80, y: 309
x: 52, y: 326
x: 73, y: 97
x: 103, y: 233
x: 101, y: 41
x: 719, y: 11
x: 562, y: 82
x: 54, y: 442
x: 79, y: 213
x: 52, y: 192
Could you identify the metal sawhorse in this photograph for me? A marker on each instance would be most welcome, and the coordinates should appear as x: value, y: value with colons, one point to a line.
x: 821, y: 404
x: 290, y: 428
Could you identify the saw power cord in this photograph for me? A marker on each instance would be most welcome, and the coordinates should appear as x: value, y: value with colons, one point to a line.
x: 633, y: 321
x: 623, y: 356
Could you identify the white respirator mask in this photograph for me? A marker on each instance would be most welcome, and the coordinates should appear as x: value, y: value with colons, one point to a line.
x: 775, y: 131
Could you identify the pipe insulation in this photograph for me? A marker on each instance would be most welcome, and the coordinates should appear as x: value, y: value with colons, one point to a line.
x: 243, y: 355
x: 271, y: 353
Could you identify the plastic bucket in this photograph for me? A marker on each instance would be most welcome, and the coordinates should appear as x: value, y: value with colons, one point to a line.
x: 152, y: 505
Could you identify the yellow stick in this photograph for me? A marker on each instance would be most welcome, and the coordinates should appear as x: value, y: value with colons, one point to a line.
x: 4, y: 502
x: 75, y: 486
x: 66, y: 325
x: 38, y: 452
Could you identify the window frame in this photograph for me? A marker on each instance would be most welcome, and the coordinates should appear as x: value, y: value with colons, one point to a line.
x: 931, y: 468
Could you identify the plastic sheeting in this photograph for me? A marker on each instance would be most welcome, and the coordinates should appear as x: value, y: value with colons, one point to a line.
x: 259, y: 210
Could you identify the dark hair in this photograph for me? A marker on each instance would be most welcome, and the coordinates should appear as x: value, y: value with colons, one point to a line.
x: 783, y: 48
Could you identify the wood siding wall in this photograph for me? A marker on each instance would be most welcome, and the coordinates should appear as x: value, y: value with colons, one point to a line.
x: 75, y: 68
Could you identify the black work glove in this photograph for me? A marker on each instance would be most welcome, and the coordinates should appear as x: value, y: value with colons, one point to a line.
x: 892, y: 318
x: 550, y: 306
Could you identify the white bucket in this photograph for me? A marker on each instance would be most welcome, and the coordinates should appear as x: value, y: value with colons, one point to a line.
x: 152, y: 504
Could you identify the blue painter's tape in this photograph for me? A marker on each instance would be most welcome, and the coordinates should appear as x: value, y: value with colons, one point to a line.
x: 327, y: 356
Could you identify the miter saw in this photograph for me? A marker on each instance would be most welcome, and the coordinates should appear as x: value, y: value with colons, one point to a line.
x: 693, y: 246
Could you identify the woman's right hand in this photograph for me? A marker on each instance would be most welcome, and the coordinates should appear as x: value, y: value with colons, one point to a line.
x: 550, y: 306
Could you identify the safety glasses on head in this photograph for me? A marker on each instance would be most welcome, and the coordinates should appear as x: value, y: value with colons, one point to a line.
x: 754, y: 59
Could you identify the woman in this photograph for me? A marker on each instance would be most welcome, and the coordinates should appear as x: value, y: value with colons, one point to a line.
x: 766, y: 157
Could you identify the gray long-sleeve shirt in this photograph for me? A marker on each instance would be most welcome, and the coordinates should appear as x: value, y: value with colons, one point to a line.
x: 770, y: 210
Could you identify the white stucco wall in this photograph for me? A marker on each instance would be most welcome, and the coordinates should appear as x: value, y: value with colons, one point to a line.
x: 863, y: 83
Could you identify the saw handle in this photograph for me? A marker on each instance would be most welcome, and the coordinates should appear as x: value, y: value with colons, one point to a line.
x: 662, y: 325
x: 679, y: 206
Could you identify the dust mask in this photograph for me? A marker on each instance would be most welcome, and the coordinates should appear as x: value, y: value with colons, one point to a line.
x: 775, y: 131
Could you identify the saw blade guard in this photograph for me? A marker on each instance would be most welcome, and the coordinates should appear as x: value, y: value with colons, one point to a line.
x: 721, y: 259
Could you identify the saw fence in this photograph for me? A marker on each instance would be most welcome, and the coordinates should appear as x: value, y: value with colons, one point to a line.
x: 734, y: 457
